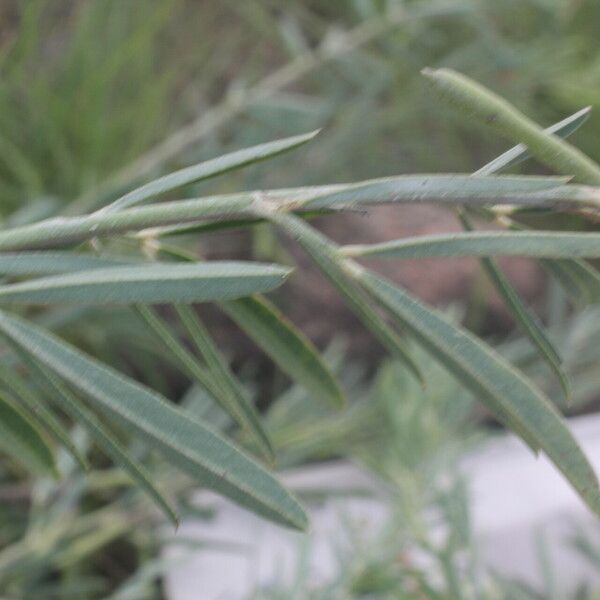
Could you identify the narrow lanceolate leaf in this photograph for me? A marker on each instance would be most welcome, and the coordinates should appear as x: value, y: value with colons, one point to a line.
x: 149, y: 283
x: 328, y: 259
x: 44, y: 418
x: 235, y: 404
x: 240, y: 406
x: 523, y: 316
x: 42, y: 263
x: 519, y: 153
x: 493, y: 380
x: 209, y: 168
x: 20, y: 439
x: 528, y: 322
x: 541, y: 244
x: 287, y: 346
x: 447, y: 189
x: 80, y: 413
x: 187, y: 444
x: 493, y: 110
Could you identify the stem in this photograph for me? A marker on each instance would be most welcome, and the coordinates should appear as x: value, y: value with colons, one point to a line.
x: 62, y: 230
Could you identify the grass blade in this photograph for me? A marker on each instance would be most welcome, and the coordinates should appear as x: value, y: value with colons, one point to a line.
x: 541, y: 244
x: 493, y: 381
x: 232, y: 401
x: 210, y: 168
x: 149, y: 283
x: 287, y: 346
x: 20, y: 439
x: 188, y: 445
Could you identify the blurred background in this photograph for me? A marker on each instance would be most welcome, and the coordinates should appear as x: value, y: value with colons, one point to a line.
x: 95, y: 95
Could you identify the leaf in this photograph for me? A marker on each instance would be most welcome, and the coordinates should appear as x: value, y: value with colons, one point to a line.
x: 41, y: 263
x: 210, y: 168
x: 528, y: 321
x: 239, y: 405
x: 234, y: 403
x: 40, y: 413
x: 519, y: 153
x: 493, y: 110
x: 21, y: 440
x: 486, y: 243
x: 80, y: 413
x: 444, y: 189
x: 188, y: 445
x: 493, y: 381
x: 149, y: 283
x: 289, y: 348
x: 328, y: 259
x: 523, y: 316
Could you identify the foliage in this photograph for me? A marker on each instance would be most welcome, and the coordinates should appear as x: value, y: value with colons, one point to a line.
x: 78, y: 136
x: 190, y: 446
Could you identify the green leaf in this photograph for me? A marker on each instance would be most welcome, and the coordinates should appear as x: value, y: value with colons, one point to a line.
x: 519, y: 153
x: 523, y: 316
x: 210, y: 168
x: 232, y: 401
x: 528, y: 321
x: 149, y: 283
x: 493, y: 381
x: 486, y: 243
x: 446, y: 189
x: 328, y: 259
x: 42, y: 263
x: 40, y: 413
x: 493, y: 110
x: 20, y: 439
x: 80, y: 413
x: 288, y: 347
x: 187, y: 444
x: 240, y: 406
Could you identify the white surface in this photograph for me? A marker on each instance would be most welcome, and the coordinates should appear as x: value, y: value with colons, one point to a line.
x: 514, y: 497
